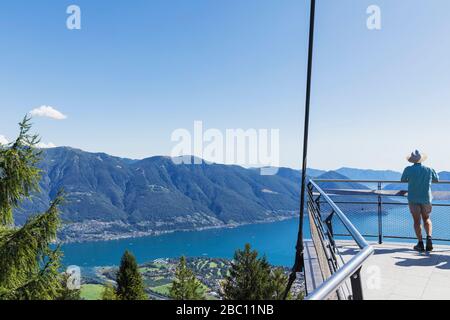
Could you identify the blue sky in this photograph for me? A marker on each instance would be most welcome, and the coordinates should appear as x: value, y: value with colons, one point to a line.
x: 138, y: 70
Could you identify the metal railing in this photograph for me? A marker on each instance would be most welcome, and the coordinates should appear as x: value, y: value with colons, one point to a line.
x: 370, y: 212
x: 380, y: 211
x: 327, y: 250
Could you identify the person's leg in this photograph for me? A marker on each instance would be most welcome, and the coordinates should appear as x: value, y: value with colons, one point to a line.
x: 417, y: 216
x: 426, y: 217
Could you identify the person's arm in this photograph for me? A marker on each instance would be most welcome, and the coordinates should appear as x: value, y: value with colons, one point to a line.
x: 405, y: 177
x: 435, y: 176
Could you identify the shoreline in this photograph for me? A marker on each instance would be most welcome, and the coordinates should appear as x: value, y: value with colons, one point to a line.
x: 143, y: 234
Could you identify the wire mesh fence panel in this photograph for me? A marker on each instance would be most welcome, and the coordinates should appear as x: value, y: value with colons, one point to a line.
x: 363, y: 216
x: 398, y: 223
x: 393, y: 221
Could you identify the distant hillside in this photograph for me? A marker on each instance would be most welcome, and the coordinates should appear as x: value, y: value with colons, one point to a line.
x: 314, y: 172
x: 296, y: 175
x: 443, y: 176
x: 358, y: 204
x: 361, y: 174
x: 109, y: 197
x: 333, y: 175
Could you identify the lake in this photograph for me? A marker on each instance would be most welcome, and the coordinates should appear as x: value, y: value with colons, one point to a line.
x: 276, y: 240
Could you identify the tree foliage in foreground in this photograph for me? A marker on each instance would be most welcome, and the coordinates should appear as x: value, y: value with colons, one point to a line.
x: 186, y: 286
x: 130, y: 285
x: 252, y: 278
x: 29, y: 268
x: 109, y: 292
x: 279, y: 281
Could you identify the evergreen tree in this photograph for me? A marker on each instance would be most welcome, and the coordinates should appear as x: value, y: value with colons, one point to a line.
x: 109, y: 293
x: 249, y: 277
x: 279, y: 281
x: 130, y: 285
x: 19, y: 174
x: 186, y: 286
x: 29, y: 268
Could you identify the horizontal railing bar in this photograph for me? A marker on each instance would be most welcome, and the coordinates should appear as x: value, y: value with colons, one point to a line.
x: 366, y: 192
x: 377, y: 193
x: 372, y: 181
x: 333, y: 283
x: 362, y: 243
x: 437, y: 195
x: 385, y: 203
x: 364, y: 235
x: 364, y: 202
x: 369, y: 195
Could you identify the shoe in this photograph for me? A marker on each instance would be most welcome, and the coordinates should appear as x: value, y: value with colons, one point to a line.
x: 419, y: 247
x: 429, y: 244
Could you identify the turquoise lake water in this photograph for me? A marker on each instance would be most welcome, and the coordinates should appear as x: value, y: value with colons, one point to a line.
x: 276, y: 240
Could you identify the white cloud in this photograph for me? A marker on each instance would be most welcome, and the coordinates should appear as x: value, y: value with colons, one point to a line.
x: 43, y: 145
x: 48, y: 112
x: 3, y: 140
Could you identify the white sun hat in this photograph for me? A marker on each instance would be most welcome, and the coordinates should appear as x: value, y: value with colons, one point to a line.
x: 417, y: 157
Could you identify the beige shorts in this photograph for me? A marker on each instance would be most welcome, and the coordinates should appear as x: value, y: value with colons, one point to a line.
x: 420, y: 209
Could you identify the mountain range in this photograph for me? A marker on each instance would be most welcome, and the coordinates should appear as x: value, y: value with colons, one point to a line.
x: 109, y: 197
x: 368, y: 174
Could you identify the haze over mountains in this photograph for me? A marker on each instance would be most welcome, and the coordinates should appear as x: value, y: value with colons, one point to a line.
x: 110, y: 197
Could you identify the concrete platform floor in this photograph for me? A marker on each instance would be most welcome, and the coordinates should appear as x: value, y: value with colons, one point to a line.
x: 396, y: 272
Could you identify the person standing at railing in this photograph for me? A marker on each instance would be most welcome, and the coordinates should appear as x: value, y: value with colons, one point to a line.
x: 420, y: 178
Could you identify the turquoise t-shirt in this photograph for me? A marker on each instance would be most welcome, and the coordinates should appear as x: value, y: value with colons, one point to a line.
x: 419, y: 178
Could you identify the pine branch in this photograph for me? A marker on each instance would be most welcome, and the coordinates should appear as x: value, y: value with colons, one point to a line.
x: 29, y: 269
x: 45, y: 284
x: 19, y: 172
x: 23, y: 251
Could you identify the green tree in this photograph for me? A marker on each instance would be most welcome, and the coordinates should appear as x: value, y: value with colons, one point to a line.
x: 109, y: 293
x: 279, y: 281
x: 29, y: 268
x: 130, y: 285
x: 186, y: 286
x: 19, y: 174
x: 249, y: 277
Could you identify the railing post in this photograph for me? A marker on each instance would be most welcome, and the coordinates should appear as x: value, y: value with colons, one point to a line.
x: 329, y: 224
x: 318, y: 202
x: 380, y: 216
x: 357, y: 290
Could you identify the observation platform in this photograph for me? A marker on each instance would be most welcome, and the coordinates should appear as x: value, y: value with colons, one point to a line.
x: 393, y: 272
x: 342, y: 262
x: 396, y: 272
